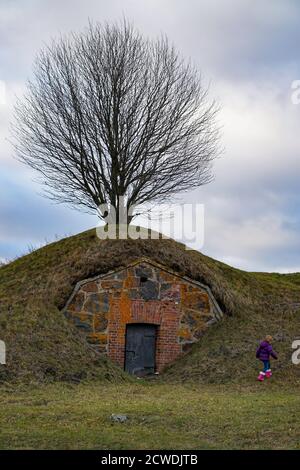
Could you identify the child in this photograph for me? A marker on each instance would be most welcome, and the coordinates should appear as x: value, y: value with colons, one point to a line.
x: 263, y: 353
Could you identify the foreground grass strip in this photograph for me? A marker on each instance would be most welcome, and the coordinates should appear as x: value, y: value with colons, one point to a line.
x: 161, y: 416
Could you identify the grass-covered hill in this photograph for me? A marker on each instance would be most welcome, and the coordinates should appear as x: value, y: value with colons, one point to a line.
x: 41, y: 344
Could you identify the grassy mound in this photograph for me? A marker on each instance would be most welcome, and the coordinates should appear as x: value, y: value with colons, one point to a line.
x: 41, y: 344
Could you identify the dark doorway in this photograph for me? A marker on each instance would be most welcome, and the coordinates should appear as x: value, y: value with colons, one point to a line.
x: 140, y: 349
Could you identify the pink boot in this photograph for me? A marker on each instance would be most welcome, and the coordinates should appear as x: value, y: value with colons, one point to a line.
x: 268, y: 373
x: 261, y: 377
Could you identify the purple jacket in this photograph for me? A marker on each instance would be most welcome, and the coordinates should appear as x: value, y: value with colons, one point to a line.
x: 264, y: 351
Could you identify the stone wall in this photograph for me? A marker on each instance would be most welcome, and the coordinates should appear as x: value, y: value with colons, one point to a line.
x: 142, y: 293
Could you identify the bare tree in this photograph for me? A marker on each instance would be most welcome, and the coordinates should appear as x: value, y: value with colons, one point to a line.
x: 109, y: 114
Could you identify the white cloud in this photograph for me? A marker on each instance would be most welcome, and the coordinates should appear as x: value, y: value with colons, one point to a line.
x: 250, y: 52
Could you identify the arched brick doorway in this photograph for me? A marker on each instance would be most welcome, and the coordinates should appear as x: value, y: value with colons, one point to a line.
x: 145, y: 293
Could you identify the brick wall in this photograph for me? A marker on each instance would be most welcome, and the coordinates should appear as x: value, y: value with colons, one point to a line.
x: 142, y: 293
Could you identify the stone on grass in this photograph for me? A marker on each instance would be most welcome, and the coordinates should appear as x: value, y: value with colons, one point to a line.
x: 119, y: 418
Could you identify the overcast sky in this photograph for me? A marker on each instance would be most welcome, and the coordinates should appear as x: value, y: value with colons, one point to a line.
x: 249, y: 51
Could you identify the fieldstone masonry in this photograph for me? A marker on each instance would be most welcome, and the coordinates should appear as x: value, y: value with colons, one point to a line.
x: 143, y: 292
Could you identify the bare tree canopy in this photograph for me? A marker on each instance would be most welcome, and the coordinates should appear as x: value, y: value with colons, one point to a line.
x: 109, y: 114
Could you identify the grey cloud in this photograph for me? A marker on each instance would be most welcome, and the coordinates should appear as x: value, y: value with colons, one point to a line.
x: 249, y: 50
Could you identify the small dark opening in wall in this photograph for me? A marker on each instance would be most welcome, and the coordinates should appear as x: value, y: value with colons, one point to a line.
x: 143, y: 279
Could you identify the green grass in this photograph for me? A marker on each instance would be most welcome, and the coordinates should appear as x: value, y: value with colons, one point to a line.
x: 207, y: 400
x: 62, y: 416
